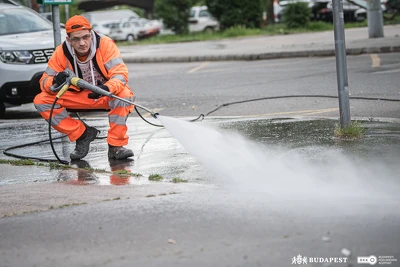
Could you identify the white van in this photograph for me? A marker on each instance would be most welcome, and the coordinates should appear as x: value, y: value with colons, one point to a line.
x: 200, y: 19
x: 108, y: 15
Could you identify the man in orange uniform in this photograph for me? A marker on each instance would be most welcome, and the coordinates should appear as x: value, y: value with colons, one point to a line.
x: 96, y: 59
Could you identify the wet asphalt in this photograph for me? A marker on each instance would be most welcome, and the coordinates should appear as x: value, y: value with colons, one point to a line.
x: 338, y: 197
x: 286, y: 187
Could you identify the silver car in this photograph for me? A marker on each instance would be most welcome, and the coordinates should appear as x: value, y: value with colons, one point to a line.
x: 26, y: 44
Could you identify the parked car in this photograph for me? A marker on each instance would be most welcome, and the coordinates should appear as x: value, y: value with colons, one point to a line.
x: 361, y: 13
x: 148, y: 27
x: 125, y: 30
x: 200, y: 19
x: 104, y: 27
x: 26, y: 44
x: 109, y: 15
x: 353, y: 10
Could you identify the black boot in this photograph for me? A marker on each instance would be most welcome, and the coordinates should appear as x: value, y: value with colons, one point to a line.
x: 119, y: 152
x: 83, y: 143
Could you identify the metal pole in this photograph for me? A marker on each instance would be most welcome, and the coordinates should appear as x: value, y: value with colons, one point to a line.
x: 56, y: 25
x: 66, y: 12
x: 341, y: 65
x: 375, y: 19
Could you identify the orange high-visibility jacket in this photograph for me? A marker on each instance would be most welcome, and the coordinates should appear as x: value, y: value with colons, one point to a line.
x: 107, y: 61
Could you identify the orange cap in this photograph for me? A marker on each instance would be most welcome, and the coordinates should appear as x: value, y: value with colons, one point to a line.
x: 77, y: 23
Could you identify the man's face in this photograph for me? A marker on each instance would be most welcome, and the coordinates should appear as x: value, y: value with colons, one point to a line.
x: 80, y: 41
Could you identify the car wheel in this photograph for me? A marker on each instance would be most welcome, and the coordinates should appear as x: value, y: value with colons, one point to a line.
x: 130, y: 38
x: 2, y: 110
x: 361, y: 17
x: 209, y: 30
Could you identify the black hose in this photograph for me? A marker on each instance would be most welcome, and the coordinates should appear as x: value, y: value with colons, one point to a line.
x: 296, y: 96
x: 140, y: 115
x: 51, y: 139
x: 5, y: 152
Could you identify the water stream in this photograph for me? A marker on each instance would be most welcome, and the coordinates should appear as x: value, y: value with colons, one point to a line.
x: 244, y: 165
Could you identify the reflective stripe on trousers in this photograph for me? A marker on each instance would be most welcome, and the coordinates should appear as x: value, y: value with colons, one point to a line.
x: 62, y: 122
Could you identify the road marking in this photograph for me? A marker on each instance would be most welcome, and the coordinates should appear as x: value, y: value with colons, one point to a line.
x: 261, y: 66
x: 321, y: 111
x: 376, y: 61
x: 202, y: 65
x: 302, y: 112
x: 148, y: 114
x: 386, y: 71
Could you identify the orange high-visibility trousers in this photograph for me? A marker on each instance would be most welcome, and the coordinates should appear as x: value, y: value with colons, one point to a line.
x: 62, y: 122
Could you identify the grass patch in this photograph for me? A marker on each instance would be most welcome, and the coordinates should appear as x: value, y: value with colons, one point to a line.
x: 179, y: 180
x: 127, y: 173
x: 123, y: 172
x: 54, y: 165
x: 155, y: 177
x: 19, y: 162
x: 354, y: 131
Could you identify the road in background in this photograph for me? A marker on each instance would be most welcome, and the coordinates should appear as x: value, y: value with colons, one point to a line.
x: 312, y: 200
x: 189, y: 89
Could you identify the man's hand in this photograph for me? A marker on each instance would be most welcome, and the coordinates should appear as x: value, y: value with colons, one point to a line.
x: 95, y: 95
x: 60, y: 77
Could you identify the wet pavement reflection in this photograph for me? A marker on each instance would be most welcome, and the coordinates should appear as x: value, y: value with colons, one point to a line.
x: 157, y: 152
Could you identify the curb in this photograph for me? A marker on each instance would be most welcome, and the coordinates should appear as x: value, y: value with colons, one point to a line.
x: 261, y: 56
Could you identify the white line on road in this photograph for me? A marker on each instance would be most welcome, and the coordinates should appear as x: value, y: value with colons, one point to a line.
x: 302, y: 112
x: 376, y: 61
x: 386, y: 71
x: 202, y: 65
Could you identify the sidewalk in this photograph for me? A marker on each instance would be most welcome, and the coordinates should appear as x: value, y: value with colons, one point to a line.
x: 265, y: 47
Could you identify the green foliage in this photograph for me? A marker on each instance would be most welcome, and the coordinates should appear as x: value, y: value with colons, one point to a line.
x: 174, y: 13
x: 123, y: 172
x: 236, y: 12
x: 72, y: 11
x: 296, y: 15
x: 19, y: 162
x: 155, y: 177
x: 179, y: 180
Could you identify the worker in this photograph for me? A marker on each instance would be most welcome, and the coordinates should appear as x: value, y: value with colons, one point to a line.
x: 95, y: 59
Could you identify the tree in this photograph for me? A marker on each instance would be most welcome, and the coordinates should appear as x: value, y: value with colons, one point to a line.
x: 237, y: 12
x: 174, y: 13
x: 297, y: 15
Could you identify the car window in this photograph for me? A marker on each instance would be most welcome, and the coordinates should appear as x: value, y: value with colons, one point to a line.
x: 20, y: 20
x: 192, y: 13
x: 204, y: 14
x: 135, y: 23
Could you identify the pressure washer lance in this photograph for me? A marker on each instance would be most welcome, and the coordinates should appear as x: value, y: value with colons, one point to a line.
x: 83, y: 84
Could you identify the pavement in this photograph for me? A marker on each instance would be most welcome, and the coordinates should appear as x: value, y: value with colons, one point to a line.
x: 315, y: 44
x: 283, y: 192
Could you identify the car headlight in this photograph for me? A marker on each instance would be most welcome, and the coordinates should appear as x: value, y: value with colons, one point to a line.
x: 25, y: 57
x: 16, y: 57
